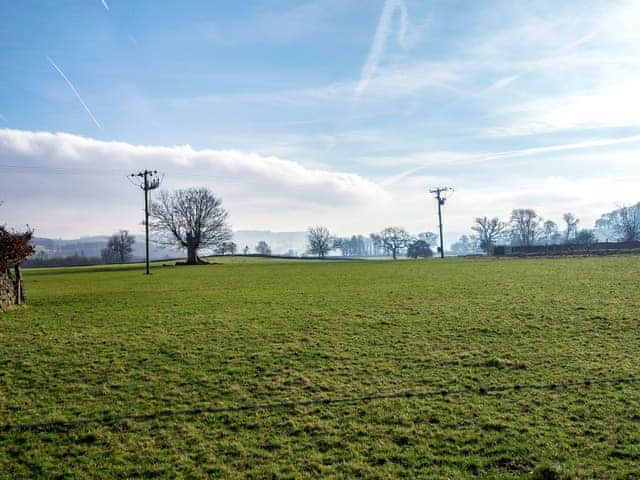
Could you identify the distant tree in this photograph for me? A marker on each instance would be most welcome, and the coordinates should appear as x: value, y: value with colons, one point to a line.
x: 290, y: 253
x: 227, y: 248
x: 394, y: 239
x: 193, y: 219
x: 465, y: 245
x: 430, y: 238
x: 263, y: 248
x: 119, y: 248
x: 376, y: 244
x: 319, y: 241
x: 525, y: 224
x: 585, y: 237
x: 572, y: 226
x: 550, y: 232
x: 488, y: 232
x: 341, y: 244
x: 246, y: 250
x: 356, y: 246
x: 624, y: 223
x: 419, y: 249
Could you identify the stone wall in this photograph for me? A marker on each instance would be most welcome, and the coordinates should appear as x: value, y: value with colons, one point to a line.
x: 7, y: 291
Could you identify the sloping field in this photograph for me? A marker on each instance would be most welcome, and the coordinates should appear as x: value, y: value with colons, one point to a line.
x: 493, y: 355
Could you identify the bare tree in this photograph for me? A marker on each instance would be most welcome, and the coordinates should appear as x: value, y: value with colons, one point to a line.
x: 525, y: 224
x: 429, y: 237
x: 551, y: 234
x: 376, y: 243
x: 488, y: 230
x: 394, y: 239
x: 465, y: 245
x: 623, y: 222
x: 572, y: 226
x: 320, y: 241
x: 227, y: 247
x: 119, y: 247
x: 191, y: 219
x: 585, y: 237
x: 263, y: 248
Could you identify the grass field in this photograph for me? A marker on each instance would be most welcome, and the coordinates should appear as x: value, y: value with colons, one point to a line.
x: 98, y: 342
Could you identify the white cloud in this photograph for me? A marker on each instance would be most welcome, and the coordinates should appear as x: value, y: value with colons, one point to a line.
x: 616, y: 105
x: 246, y: 180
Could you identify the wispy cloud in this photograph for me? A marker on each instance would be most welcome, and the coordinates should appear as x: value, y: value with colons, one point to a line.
x: 503, y: 82
x: 75, y: 91
x: 449, y: 158
x: 105, y: 4
x: 383, y: 31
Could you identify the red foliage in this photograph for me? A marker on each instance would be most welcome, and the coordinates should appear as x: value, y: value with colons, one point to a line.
x: 14, y: 247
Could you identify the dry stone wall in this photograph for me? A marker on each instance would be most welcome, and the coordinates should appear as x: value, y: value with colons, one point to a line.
x: 7, y: 291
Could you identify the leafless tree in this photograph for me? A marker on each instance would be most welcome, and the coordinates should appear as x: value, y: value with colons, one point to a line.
x: 394, y: 239
x: 119, y: 247
x: 625, y: 223
x: 320, y: 241
x: 227, y: 247
x: 488, y: 230
x: 191, y: 219
x: 376, y: 243
x: 429, y: 237
x: 525, y: 224
x: 263, y: 248
x: 572, y: 226
x: 551, y: 234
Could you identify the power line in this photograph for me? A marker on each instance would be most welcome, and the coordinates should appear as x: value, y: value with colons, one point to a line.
x: 149, y: 180
x: 208, y: 409
x: 440, y: 194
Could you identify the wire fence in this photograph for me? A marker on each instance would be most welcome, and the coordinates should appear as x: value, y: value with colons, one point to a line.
x: 111, y: 420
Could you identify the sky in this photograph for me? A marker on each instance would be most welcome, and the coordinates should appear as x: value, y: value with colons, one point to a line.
x: 335, y: 112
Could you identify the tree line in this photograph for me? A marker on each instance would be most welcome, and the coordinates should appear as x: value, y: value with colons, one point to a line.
x: 526, y: 227
x: 194, y: 219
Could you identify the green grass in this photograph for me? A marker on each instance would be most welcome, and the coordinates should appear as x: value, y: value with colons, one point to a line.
x: 111, y: 342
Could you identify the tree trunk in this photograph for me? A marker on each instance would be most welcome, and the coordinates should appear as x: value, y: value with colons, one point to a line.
x: 192, y: 256
x: 393, y: 252
x: 18, y: 285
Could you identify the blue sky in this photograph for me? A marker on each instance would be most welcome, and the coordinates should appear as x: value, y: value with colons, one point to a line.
x: 322, y: 111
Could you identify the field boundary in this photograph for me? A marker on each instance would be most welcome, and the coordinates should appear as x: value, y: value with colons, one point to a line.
x: 67, y: 425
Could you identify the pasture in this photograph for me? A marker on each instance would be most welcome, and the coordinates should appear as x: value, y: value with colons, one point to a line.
x: 115, y: 347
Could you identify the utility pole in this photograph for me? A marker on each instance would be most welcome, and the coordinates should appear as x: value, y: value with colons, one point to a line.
x: 148, y: 180
x: 440, y: 194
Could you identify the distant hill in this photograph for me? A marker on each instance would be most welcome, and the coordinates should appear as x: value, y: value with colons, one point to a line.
x: 280, y: 243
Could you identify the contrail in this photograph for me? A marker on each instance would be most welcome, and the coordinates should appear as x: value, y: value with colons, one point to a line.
x: 380, y: 39
x: 104, y: 4
x: 53, y: 64
x: 605, y: 142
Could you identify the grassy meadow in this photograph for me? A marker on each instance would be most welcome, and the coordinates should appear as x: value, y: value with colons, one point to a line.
x: 111, y: 342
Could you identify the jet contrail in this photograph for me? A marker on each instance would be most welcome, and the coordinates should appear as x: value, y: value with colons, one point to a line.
x: 380, y: 40
x: 605, y: 142
x: 104, y: 4
x: 77, y: 94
